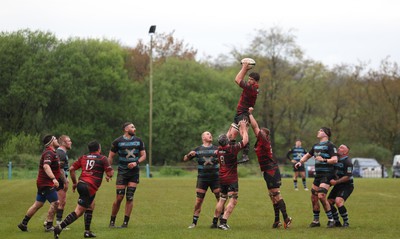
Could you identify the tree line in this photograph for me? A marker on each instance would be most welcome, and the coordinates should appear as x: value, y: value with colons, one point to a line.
x: 87, y: 88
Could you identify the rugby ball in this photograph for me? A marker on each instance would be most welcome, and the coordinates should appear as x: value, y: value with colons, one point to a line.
x: 251, y: 62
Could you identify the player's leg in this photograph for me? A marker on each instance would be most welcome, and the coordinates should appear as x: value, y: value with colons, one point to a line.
x: 295, y: 175
x: 315, y: 204
x: 130, y: 193
x: 303, y: 178
x: 322, y: 196
x: 340, y: 204
x: 121, y: 186
x: 200, y: 194
x: 88, y: 221
x: 40, y: 199
x: 215, y: 187
x: 233, y: 196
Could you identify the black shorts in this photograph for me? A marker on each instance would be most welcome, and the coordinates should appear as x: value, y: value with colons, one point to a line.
x: 208, y: 184
x: 273, y: 178
x: 239, y: 117
x: 85, y: 200
x: 124, y: 180
x: 299, y: 169
x: 233, y: 187
x: 61, y: 184
x: 341, y: 190
x: 319, y: 179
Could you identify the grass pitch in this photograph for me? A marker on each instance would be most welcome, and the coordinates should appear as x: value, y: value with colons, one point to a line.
x: 164, y: 207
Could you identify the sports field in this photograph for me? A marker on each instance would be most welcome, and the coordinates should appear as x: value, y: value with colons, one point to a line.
x: 164, y: 206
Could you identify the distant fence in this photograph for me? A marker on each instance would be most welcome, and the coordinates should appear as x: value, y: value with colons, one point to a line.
x: 11, y: 171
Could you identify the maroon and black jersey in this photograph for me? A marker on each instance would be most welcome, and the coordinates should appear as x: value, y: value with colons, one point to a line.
x: 93, y: 167
x: 264, y: 153
x: 227, y: 158
x: 49, y: 157
x: 247, y: 98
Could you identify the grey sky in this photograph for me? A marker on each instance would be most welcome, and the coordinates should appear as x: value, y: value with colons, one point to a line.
x: 334, y: 32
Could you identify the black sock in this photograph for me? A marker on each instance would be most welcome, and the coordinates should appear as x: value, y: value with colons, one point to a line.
x: 276, y: 211
x: 316, y: 216
x: 282, y: 207
x: 126, y: 220
x: 88, y: 219
x: 195, y: 219
x: 223, y: 221
x: 215, y: 220
x: 112, y: 219
x: 334, y: 213
x: 59, y: 214
x: 69, y: 219
x: 49, y: 225
x: 26, y: 220
x: 343, y: 213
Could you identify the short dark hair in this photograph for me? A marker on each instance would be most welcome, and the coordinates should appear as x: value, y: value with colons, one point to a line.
x: 93, y: 146
x: 255, y: 76
x: 47, y: 139
x: 327, y: 131
x: 126, y: 124
x: 223, y: 140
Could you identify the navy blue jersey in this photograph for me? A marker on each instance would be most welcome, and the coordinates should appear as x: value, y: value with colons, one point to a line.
x: 207, y: 160
x: 326, y: 150
x: 344, y: 167
x: 296, y: 153
x: 128, y: 152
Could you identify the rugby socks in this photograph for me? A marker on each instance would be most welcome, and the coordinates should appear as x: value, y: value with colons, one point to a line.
x: 88, y: 219
x: 329, y: 215
x: 49, y: 225
x: 59, y: 214
x: 304, y: 182
x: 276, y: 210
x: 316, y: 216
x: 112, y: 220
x: 215, y: 220
x: 343, y: 213
x: 26, y: 220
x: 126, y: 220
x: 282, y: 208
x: 223, y: 221
x: 295, y: 183
x: 334, y: 213
x: 195, y: 219
x: 69, y: 219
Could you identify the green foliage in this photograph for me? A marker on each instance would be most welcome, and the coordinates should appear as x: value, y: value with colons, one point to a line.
x: 172, y: 171
x: 20, y: 146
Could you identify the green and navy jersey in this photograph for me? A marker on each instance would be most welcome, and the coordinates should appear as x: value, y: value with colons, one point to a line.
x: 296, y: 153
x: 326, y: 150
x: 207, y: 161
x: 63, y: 160
x: 344, y: 167
x: 128, y: 150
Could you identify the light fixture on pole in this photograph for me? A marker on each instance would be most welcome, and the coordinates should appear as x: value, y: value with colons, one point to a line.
x: 152, y: 30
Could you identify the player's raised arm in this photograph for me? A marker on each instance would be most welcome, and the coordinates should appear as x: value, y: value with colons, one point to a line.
x: 253, y: 122
x: 242, y: 73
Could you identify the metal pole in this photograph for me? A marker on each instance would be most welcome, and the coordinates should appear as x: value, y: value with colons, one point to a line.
x: 9, y: 170
x: 151, y: 32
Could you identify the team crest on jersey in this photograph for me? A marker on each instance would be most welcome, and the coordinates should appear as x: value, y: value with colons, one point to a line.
x: 130, y: 153
x: 349, y: 169
x: 208, y: 160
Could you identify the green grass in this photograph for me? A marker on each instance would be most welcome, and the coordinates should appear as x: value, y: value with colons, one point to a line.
x: 164, y: 206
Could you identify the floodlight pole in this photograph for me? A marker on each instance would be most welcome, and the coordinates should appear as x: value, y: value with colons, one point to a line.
x: 152, y: 30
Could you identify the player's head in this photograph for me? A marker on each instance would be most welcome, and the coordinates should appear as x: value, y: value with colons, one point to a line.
x: 298, y: 143
x: 343, y: 150
x: 50, y: 140
x: 255, y: 76
x: 206, y: 137
x: 265, y: 133
x: 324, y: 132
x: 65, y: 140
x: 94, y: 146
x: 129, y: 128
x: 223, y: 140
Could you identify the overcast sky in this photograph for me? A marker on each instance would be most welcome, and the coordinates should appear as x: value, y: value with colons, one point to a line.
x: 333, y: 32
